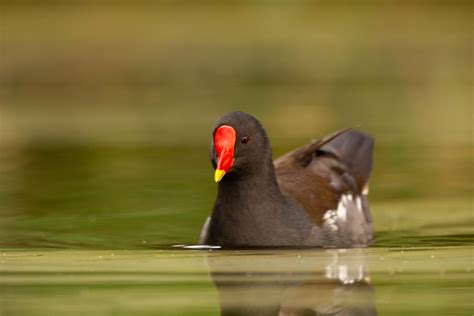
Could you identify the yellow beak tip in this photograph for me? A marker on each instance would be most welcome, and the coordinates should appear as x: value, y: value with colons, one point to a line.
x: 219, y: 175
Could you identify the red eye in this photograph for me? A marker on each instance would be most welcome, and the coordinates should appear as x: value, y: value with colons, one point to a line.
x: 245, y: 140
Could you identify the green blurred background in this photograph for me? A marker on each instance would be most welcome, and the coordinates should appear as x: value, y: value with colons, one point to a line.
x: 106, y: 109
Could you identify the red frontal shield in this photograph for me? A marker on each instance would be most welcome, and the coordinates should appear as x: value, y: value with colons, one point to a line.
x: 224, y: 142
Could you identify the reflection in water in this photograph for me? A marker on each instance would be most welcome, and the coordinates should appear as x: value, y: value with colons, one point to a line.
x: 332, y: 282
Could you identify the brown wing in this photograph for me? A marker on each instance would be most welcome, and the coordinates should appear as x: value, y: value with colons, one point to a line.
x: 319, y: 174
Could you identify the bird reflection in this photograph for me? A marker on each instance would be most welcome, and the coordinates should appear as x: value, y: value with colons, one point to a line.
x: 328, y: 282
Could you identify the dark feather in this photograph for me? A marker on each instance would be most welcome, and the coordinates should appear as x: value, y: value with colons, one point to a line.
x: 317, y: 175
x: 354, y: 149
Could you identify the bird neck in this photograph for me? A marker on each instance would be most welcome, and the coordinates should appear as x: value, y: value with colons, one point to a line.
x: 249, y: 208
x: 256, y: 184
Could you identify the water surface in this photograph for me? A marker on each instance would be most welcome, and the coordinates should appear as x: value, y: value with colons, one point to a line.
x: 387, y: 281
x: 89, y: 231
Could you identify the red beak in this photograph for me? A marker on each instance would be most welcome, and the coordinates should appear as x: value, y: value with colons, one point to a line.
x: 224, y: 142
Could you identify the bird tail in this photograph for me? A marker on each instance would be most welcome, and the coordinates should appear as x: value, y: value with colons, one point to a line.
x: 355, y: 150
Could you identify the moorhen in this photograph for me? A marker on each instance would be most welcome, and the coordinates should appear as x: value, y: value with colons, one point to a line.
x: 315, y: 195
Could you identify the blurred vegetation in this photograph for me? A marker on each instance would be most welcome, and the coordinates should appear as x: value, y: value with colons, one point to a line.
x: 106, y: 108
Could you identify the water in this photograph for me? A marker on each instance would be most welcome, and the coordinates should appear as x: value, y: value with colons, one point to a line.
x: 142, y: 197
x: 90, y: 230
x: 389, y: 281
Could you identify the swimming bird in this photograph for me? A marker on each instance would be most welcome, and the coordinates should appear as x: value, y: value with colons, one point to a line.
x: 313, y: 196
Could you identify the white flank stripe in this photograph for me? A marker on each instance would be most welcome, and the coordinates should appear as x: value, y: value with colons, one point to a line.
x: 359, y: 203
